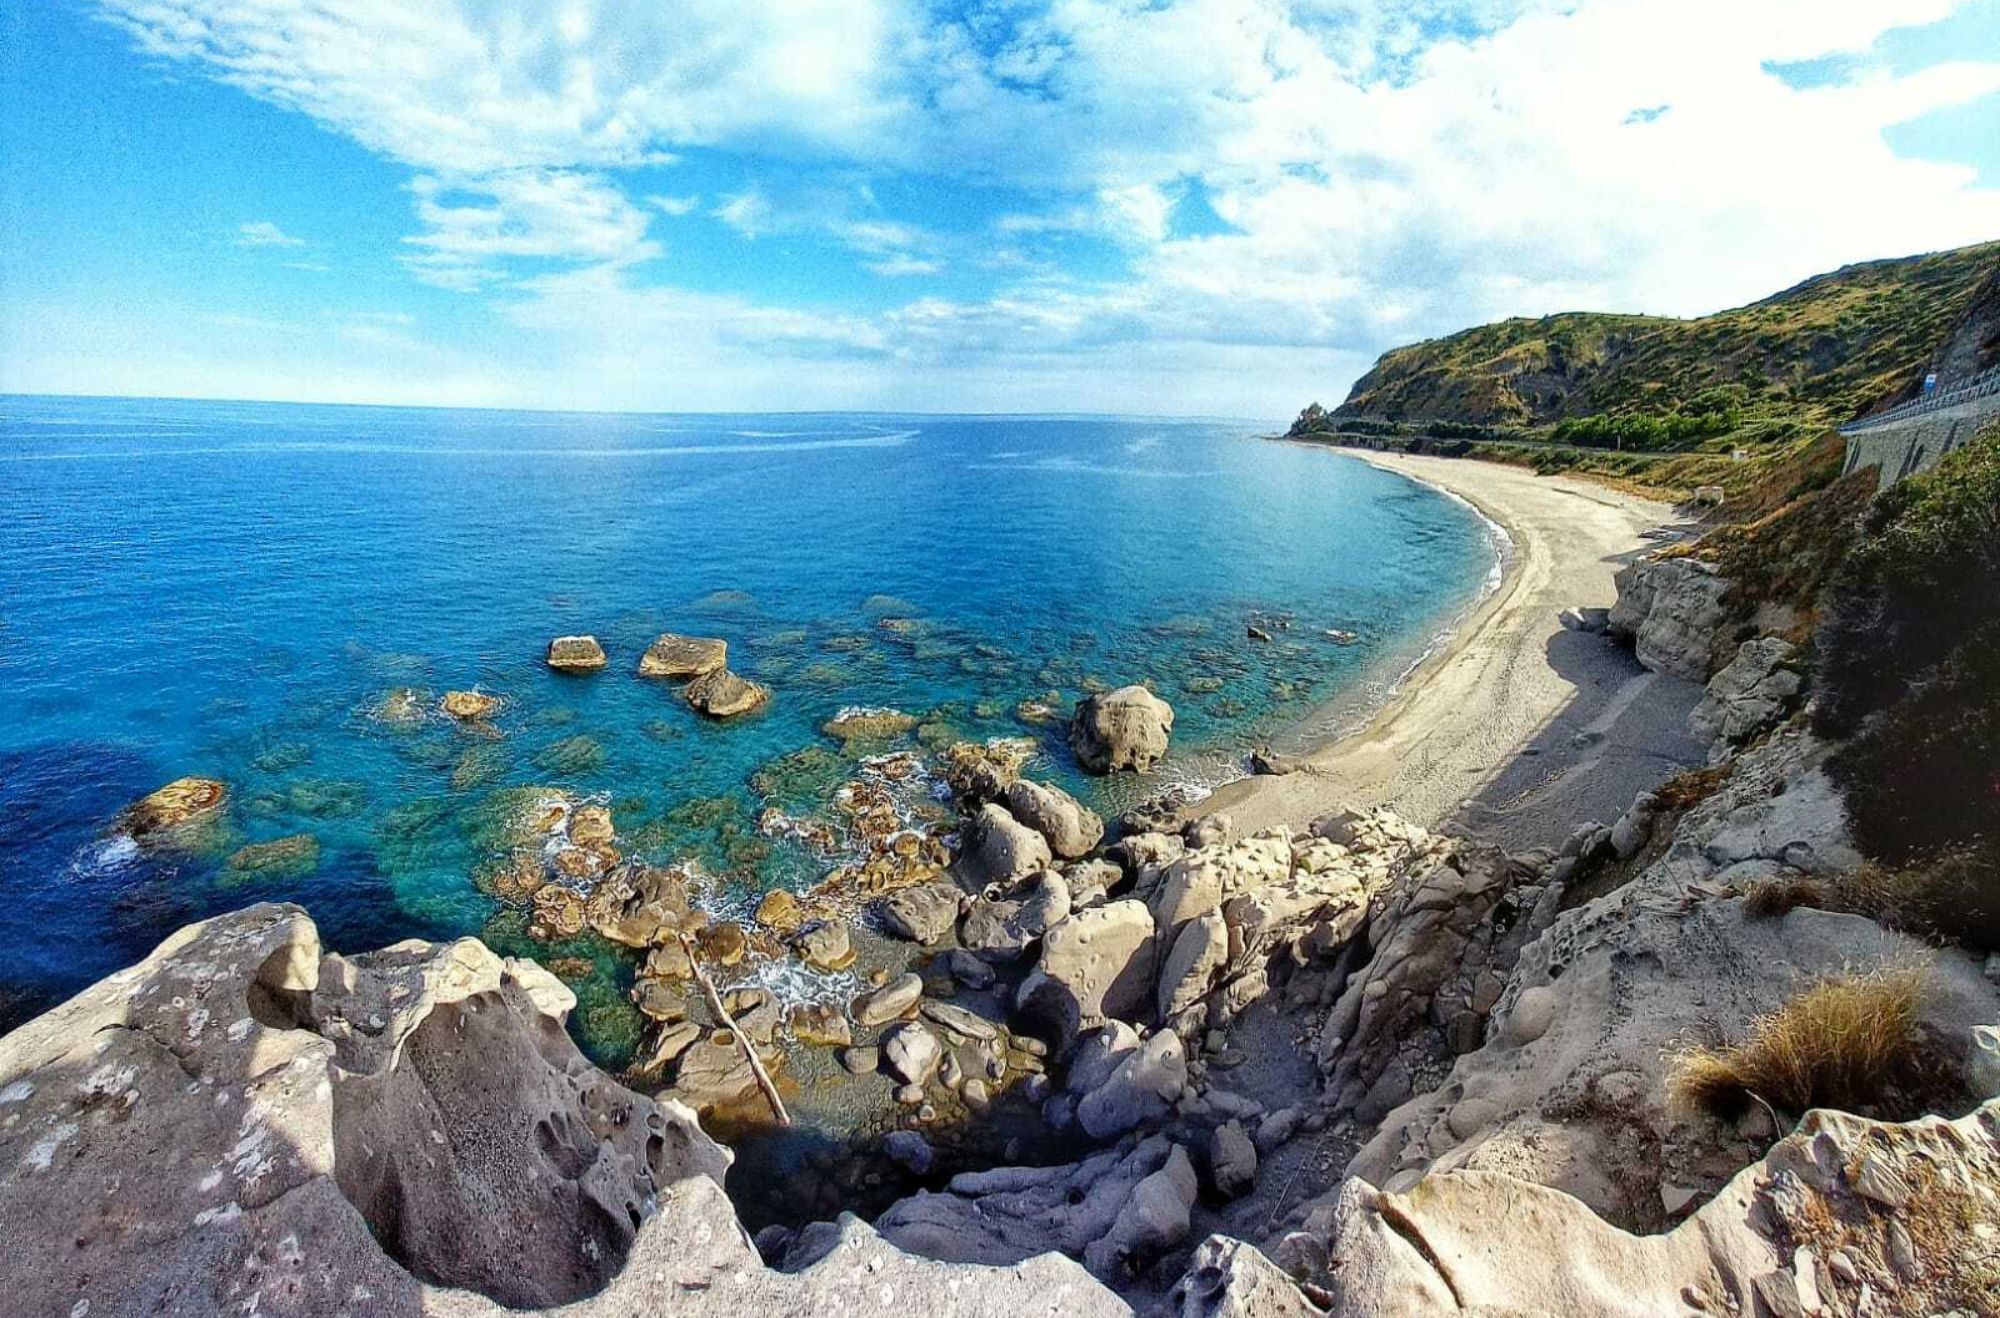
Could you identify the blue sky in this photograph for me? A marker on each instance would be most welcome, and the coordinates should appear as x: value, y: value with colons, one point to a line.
x: 1223, y: 207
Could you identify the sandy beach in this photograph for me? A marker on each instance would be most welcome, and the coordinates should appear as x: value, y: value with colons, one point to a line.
x: 1516, y: 728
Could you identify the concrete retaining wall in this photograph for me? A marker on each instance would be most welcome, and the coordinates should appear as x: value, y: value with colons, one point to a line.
x: 1916, y: 445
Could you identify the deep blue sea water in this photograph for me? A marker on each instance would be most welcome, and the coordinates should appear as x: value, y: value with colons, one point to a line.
x: 228, y: 589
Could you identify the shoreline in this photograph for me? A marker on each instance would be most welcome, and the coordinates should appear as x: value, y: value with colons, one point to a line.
x: 1486, y: 695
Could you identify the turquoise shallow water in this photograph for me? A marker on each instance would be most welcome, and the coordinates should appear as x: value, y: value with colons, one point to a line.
x: 228, y: 589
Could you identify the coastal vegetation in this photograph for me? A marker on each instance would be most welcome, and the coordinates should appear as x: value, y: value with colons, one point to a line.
x: 1840, y: 1043
x: 1671, y: 405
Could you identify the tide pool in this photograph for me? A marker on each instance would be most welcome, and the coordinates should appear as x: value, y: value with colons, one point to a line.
x: 230, y: 590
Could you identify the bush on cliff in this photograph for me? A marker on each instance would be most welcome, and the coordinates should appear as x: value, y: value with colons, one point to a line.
x: 1922, y: 578
x: 1909, y: 670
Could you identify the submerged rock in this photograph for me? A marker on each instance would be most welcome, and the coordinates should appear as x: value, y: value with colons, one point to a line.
x: 575, y: 654
x: 681, y: 657
x: 469, y: 705
x: 180, y: 803
x: 722, y: 694
x: 1123, y: 729
x: 401, y: 708
x: 868, y: 725
x: 286, y: 857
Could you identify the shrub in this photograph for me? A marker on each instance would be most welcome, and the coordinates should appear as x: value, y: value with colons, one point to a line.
x: 1953, y: 895
x: 1923, y: 777
x: 1842, y: 1043
x: 1924, y: 575
x: 1770, y: 898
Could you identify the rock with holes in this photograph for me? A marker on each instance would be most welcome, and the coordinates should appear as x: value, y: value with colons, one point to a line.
x: 243, y: 1123
x: 1118, y: 730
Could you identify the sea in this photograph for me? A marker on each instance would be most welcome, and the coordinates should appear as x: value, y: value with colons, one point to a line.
x: 233, y: 590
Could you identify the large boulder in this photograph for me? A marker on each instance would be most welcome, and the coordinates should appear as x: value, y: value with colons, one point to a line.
x: 722, y: 694
x: 995, y: 847
x: 576, y: 654
x: 1070, y: 827
x: 911, y: 1053
x: 1674, y: 611
x: 1098, y: 964
x: 681, y: 658
x: 924, y: 914
x: 1123, y: 729
x: 892, y: 1001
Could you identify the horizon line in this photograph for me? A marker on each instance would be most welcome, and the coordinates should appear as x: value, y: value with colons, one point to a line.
x: 6, y: 394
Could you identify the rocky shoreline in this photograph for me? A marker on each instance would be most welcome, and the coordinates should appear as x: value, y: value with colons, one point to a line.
x: 1345, y: 1063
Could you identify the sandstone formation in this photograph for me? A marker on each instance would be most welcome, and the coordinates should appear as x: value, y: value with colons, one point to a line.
x: 1071, y: 829
x: 850, y: 726
x: 680, y: 658
x: 1748, y: 695
x: 722, y: 694
x: 1119, y: 730
x: 994, y: 848
x: 1674, y: 612
x: 576, y: 654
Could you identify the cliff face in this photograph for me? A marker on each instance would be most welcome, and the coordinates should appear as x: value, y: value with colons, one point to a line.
x: 1840, y: 343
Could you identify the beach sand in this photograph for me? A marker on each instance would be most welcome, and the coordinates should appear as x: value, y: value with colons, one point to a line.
x: 1515, y: 729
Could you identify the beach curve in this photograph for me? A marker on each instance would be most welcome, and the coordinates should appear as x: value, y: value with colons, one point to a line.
x: 1490, y: 692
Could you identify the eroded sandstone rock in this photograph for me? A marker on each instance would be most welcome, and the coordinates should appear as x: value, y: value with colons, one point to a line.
x: 680, y: 658
x: 1119, y: 730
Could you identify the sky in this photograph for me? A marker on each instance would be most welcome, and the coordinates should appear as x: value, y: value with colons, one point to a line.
x: 1164, y: 207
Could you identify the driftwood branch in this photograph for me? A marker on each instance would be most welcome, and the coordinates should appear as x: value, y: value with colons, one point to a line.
x: 735, y: 1032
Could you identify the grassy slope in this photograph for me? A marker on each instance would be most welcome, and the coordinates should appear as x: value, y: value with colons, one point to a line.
x: 1826, y: 350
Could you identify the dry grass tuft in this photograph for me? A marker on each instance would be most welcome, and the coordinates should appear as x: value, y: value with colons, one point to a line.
x: 1770, y: 898
x: 1690, y: 787
x: 1839, y: 1044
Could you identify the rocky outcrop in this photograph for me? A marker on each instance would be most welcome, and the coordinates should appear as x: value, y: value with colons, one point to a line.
x: 683, y: 658
x: 244, y: 1123
x: 1071, y: 828
x: 1569, y: 1089
x: 1440, y: 950
x: 1674, y: 611
x: 1123, y: 729
x: 576, y: 654
x: 721, y: 694
x: 1845, y: 1215
x: 469, y: 706
x: 1749, y: 695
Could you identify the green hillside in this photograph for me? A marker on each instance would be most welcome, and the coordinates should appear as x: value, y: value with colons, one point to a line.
x: 1829, y: 349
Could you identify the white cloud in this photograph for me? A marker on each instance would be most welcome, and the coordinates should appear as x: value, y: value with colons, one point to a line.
x: 746, y: 212
x: 1378, y: 182
x: 263, y: 233
x: 674, y: 206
